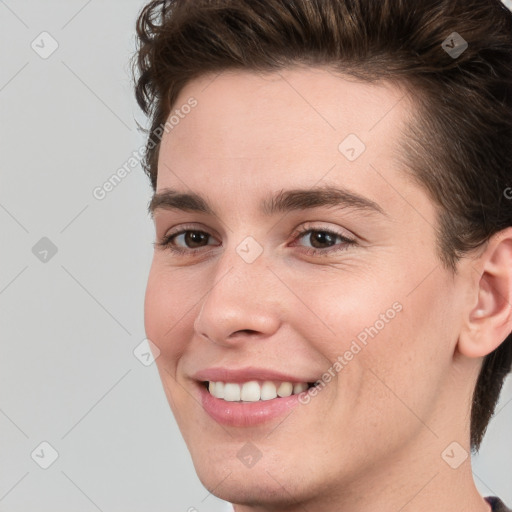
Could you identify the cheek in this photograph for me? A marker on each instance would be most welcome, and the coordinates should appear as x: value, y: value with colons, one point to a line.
x: 164, y: 320
x: 404, y: 335
x: 165, y: 311
x: 410, y: 357
x: 353, y: 308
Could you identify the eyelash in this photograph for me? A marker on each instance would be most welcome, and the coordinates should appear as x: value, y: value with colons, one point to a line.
x: 165, y: 243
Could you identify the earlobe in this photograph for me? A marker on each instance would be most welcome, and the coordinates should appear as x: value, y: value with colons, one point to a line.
x: 489, y: 321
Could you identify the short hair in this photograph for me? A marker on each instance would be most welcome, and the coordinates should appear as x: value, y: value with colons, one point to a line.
x: 458, y: 145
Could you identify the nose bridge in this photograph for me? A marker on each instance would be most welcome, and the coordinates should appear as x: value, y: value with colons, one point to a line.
x: 239, y: 298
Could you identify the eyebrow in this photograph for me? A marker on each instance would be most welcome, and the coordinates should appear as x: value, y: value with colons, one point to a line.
x: 281, y: 202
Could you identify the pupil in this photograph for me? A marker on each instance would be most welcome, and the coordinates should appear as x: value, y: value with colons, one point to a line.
x: 193, y: 237
x: 321, y: 237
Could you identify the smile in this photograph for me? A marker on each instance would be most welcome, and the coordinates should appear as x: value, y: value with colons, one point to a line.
x: 254, y: 391
x: 250, y: 403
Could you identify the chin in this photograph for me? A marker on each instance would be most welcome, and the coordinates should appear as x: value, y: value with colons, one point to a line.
x: 252, y: 487
x: 270, y: 481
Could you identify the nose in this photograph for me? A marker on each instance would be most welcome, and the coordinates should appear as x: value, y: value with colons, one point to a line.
x: 242, y: 302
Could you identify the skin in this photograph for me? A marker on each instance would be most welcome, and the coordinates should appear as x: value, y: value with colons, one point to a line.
x: 373, y: 437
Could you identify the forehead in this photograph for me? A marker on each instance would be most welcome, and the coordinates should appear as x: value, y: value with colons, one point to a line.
x: 301, y: 125
x: 239, y: 113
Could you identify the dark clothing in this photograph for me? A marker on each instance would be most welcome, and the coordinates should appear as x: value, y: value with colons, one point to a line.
x: 496, y: 504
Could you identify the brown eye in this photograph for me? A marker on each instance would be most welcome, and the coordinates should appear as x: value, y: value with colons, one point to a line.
x: 185, y: 241
x: 323, y: 241
x: 319, y: 238
x: 193, y: 239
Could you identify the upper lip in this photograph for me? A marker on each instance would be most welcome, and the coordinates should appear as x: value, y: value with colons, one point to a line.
x: 245, y: 374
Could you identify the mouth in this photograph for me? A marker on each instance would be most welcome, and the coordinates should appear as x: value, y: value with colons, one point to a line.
x: 250, y: 396
x: 254, y: 390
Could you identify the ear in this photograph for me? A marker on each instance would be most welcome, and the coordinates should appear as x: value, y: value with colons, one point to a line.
x: 489, y: 318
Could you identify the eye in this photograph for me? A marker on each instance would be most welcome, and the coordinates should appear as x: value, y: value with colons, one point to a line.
x: 323, y: 241
x: 192, y: 239
x: 319, y: 238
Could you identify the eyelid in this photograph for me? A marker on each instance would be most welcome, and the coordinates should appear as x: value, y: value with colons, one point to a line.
x: 347, y: 241
x: 185, y: 227
x: 311, y: 226
x: 165, y: 241
x: 347, y: 238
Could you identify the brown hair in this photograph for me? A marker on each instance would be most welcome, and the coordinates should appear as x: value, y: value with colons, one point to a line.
x: 458, y: 147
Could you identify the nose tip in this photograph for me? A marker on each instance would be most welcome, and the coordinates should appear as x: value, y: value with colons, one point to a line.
x: 239, y: 307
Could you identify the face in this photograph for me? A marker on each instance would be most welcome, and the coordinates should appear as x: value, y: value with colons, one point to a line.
x: 311, y: 259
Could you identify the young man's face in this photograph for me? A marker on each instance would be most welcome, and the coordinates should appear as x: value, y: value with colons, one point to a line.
x: 255, y: 297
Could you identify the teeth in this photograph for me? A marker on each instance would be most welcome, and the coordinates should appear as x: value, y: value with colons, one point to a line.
x: 285, y: 389
x: 231, y: 392
x: 253, y: 391
x: 298, y: 388
x: 268, y: 390
x: 250, y: 392
x: 219, y: 389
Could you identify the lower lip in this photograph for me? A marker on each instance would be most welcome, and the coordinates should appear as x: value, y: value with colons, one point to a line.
x: 245, y: 414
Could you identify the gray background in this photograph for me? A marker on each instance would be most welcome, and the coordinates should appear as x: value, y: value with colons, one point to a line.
x: 72, y: 320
